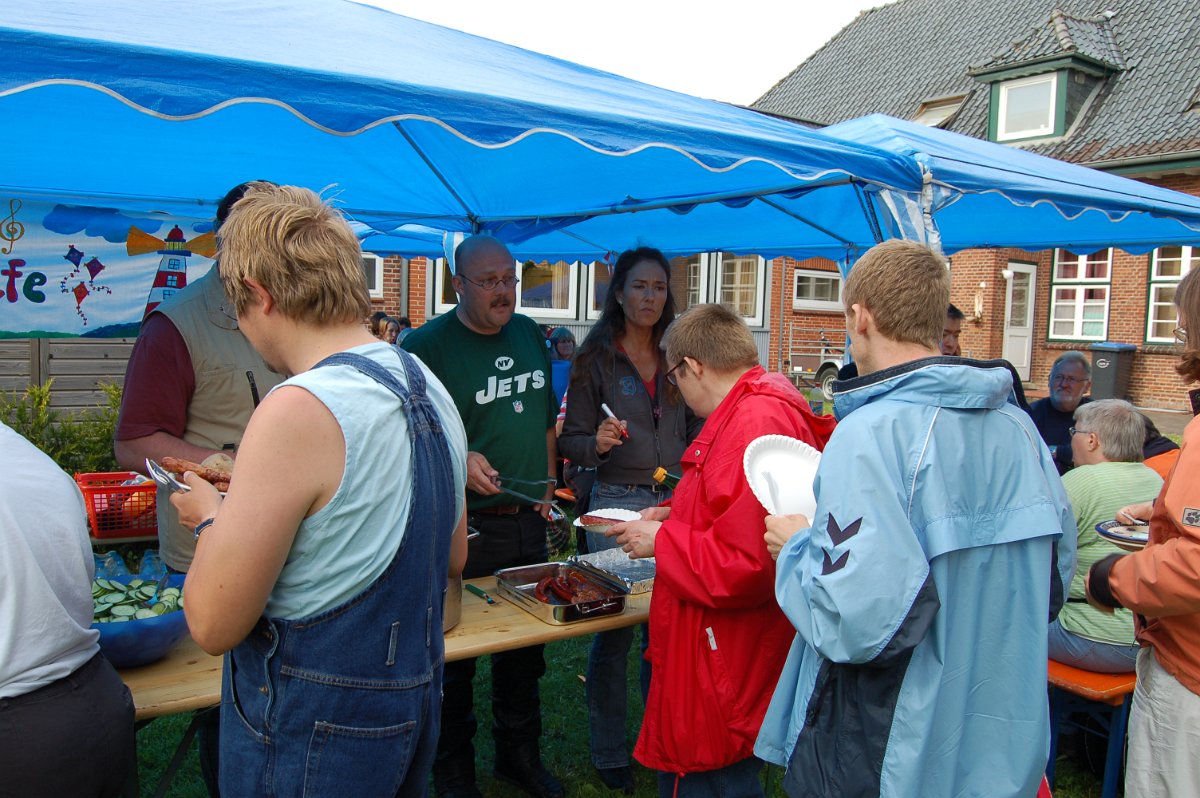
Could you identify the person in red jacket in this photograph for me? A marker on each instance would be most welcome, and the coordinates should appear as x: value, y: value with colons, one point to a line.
x: 718, y: 640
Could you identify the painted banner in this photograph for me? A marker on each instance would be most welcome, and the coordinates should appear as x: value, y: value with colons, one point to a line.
x: 68, y: 270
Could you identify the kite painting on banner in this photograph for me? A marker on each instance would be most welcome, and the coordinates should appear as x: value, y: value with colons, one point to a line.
x: 67, y: 270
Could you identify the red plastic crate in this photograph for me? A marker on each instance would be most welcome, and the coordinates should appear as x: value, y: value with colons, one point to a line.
x: 115, y: 510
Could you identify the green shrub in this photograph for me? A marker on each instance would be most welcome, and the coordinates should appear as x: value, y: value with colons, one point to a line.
x: 78, y: 442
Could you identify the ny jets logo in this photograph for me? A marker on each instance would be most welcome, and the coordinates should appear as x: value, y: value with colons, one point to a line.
x: 504, y: 363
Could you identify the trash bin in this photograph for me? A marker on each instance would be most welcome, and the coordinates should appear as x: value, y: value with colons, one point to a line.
x: 1112, y: 364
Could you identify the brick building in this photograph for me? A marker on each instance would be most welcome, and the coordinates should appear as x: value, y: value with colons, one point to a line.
x: 1114, y: 85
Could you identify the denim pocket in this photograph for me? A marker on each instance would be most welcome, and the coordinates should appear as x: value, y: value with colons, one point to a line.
x: 373, y: 760
x: 610, y: 492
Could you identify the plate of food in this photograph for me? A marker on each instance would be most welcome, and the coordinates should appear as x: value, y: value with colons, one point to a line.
x: 1131, y: 537
x: 598, y: 521
x: 217, y: 469
x: 780, y: 471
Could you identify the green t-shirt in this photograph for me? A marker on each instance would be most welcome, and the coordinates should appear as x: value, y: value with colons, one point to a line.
x: 501, y: 386
x: 1096, y: 492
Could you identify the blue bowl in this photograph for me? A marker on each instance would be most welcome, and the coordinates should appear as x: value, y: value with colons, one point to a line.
x: 128, y: 644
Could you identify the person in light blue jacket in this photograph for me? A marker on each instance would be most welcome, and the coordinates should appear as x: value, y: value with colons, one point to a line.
x: 920, y: 591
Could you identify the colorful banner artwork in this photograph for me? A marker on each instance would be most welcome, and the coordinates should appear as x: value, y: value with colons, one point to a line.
x: 70, y: 270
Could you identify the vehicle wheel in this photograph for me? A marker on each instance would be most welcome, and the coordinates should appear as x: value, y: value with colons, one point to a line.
x: 825, y: 379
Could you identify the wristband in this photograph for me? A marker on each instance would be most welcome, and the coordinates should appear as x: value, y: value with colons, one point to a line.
x: 200, y: 527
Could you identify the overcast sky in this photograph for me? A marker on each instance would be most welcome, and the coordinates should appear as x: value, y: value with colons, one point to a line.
x: 731, y: 51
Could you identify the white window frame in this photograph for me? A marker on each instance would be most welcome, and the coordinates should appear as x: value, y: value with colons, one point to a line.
x: 702, y: 269
x: 570, y: 312
x: 816, y: 304
x: 1002, y: 131
x: 755, y: 320
x: 590, y: 290
x: 1080, y: 284
x: 1188, y: 255
x: 441, y: 278
x: 377, y: 291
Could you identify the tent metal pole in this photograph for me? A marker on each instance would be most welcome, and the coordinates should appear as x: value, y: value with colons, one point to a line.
x: 470, y: 215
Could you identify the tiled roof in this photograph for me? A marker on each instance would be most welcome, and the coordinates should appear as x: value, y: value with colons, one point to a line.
x: 892, y: 58
x: 1061, y: 35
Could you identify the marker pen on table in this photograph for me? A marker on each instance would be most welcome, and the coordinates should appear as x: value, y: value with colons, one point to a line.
x: 609, y: 413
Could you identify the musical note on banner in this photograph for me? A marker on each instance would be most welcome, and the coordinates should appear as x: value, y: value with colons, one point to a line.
x: 10, y: 229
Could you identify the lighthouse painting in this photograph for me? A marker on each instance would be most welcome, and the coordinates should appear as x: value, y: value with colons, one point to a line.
x: 172, y: 266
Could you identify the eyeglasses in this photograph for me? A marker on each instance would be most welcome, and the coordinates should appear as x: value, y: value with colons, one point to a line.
x: 491, y: 283
x: 1073, y: 431
x: 1069, y: 380
x: 1180, y: 335
x: 670, y: 375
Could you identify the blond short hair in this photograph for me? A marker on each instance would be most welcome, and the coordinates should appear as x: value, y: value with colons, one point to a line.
x: 906, y: 286
x: 297, y: 247
x: 713, y: 335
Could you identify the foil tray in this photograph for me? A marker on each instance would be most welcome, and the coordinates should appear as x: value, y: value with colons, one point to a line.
x: 614, y: 563
x: 517, y: 585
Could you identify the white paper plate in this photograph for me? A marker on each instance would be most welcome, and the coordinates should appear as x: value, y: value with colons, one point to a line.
x: 780, y: 471
x: 608, y: 512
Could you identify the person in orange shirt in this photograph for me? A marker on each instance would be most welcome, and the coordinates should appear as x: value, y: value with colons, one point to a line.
x: 1161, y: 584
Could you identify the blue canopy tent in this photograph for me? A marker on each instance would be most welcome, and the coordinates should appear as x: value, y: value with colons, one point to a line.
x: 153, y: 110
x: 980, y: 194
x: 163, y: 106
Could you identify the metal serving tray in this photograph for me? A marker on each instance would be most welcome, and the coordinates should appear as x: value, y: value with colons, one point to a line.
x: 517, y: 585
x: 636, y: 575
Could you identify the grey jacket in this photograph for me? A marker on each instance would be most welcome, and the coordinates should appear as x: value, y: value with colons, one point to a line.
x: 616, y: 382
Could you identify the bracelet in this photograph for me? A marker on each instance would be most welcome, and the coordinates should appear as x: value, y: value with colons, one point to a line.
x: 200, y: 527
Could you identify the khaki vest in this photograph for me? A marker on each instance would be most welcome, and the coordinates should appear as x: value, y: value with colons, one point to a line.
x: 223, y: 400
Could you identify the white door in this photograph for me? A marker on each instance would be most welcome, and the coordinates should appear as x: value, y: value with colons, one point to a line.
x: 1018, y: 317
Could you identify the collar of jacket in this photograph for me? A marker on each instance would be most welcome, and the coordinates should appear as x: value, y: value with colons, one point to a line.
x: 953, y: 382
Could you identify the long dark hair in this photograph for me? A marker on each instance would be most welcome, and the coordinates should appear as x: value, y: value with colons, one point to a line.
x: 601, y: 340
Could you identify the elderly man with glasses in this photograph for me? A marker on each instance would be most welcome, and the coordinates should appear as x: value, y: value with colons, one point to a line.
x: 1070, y: 380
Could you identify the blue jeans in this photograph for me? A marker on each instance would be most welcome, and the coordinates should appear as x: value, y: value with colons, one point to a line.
x: 1091, y: 655
x: 607, y: 672
x: 739, y: 780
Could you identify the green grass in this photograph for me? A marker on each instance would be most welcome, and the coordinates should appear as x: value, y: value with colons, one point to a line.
x: 564, y: 738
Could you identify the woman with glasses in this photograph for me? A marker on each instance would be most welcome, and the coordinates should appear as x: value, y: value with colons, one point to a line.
x: 1161, y: 587
x: 621, y: 367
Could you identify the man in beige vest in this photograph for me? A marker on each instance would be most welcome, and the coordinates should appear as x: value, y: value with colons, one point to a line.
x: 191, y: 384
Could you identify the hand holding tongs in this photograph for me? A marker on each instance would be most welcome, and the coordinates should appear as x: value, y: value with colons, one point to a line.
x: 165, y: 478
x: 556, y: 511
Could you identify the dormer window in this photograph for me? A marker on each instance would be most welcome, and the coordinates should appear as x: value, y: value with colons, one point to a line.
x: 1043, y: 83
x: 939, y: 111
x: 1027, y: 107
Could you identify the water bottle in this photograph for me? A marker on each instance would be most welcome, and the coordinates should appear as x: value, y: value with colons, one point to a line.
x: 110, y: 565
x: 152, y: 567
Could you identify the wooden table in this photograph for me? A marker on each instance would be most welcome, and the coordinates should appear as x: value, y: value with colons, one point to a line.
x: 189, y: 679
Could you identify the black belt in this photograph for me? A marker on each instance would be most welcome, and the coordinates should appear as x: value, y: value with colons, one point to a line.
x: 499, y: 509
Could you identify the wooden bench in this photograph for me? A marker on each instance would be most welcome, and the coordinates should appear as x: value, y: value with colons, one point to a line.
x: 1104, y: 699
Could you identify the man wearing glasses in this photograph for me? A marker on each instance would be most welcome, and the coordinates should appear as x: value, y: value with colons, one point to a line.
x: 496, y: 367
x: 1070, y: 379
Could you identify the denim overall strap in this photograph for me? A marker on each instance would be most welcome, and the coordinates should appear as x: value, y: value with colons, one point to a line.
x: 351, y: 695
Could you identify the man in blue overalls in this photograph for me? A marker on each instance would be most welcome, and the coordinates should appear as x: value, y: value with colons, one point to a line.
x: 322, y: 572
